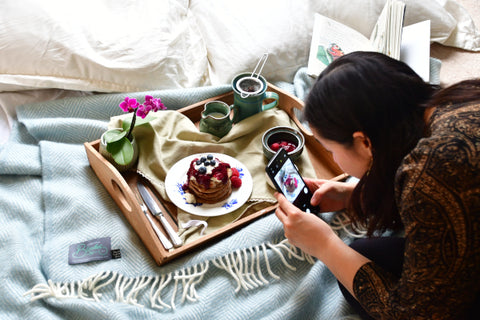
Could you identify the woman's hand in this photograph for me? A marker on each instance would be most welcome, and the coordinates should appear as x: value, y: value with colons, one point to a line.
x: 329, y: 195
x: 303, y: 230
x: 315, y: 237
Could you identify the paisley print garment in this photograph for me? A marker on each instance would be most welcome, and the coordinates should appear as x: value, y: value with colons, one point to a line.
x: 437, y: 191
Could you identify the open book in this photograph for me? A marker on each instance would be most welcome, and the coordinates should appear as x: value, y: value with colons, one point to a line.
x: 332, y: 39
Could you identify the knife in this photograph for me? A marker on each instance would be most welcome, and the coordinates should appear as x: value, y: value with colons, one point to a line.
x: 146, y: 177
x: 156, y: 211
x: 164, y: 240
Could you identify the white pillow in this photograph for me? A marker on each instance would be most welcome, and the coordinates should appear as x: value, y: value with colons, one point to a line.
x: 124, y: 45
x: 99, y: 45
x: 465, y: 35
x: 237, y: 33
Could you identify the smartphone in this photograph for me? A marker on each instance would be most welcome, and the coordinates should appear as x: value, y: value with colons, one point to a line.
x: 287, y: 179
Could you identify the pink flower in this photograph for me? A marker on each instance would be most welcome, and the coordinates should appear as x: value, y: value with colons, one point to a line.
x: 141, y: 113
x: 141, y: 110
x: 129, y: 105
x: 150, y: 104
x: 121, y: 152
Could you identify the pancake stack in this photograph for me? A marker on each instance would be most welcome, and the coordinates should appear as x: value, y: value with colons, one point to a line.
x: 208, y: 180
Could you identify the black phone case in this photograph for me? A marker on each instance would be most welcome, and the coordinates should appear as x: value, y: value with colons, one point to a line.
x: 300, y: 195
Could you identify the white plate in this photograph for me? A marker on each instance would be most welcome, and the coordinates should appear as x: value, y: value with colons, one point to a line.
x: 177, y: 176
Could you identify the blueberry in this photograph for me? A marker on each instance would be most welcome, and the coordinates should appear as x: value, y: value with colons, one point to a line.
x: 207, y: 163
x: 198, y: 162
x: 212, y: 163
x: 209, y: 157
x: 203, y: 159
x: 202, y: 170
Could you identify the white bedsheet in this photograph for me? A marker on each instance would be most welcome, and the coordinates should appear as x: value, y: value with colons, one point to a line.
x: 124, y: 46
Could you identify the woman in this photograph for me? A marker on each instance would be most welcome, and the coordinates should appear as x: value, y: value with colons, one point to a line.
x: 416, y: 151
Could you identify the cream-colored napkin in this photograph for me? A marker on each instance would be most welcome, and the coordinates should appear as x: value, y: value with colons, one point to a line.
x: 172, y: 137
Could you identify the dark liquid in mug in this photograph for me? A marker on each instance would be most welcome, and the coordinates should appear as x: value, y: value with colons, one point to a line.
x: 250, y: 85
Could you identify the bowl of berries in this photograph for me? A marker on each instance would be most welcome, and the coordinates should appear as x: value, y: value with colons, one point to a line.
x: 288, y: 138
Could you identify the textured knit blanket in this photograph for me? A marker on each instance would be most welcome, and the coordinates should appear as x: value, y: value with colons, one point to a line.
x: 50, y: 199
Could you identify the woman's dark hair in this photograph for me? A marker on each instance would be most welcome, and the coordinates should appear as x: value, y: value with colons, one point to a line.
x: 464, y: 91
x: 383, y: 98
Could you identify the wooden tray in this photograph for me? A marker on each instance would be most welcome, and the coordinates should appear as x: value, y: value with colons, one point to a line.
x: 122, y: 186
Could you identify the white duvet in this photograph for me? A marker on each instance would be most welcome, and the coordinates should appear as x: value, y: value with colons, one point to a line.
x: 125, y: 46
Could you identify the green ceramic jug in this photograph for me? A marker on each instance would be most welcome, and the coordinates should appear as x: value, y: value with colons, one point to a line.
x: 216, y: 118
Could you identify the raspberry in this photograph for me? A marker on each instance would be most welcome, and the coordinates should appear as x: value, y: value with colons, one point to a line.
x: 235, y: 172
x: 236, y: 182
x: 219, y: 176
x: 275, y: 146
x: 289, y: 147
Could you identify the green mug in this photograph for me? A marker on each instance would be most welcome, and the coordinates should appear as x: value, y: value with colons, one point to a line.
x: 216, y: 118
x: 250, y: 99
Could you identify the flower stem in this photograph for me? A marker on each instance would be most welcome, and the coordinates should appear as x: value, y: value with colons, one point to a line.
x: 132, y: 125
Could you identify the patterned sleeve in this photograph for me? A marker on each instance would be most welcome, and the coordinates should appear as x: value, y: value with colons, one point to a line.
x: 438, y: 195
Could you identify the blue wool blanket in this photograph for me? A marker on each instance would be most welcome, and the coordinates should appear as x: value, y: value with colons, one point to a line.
x: 50, y: 198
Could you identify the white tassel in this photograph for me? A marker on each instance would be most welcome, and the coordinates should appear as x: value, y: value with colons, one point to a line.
x: 182, y: 277
x: 51, y: 289
x: 237, y: 265
x: 174, y: 293
x: 282, y: 258
x: 268, y: 263
x: 243, y: 271
x: 292, y: 251
x: 156, y: 296
x: 227, y: 266
x: 249, y: 270
x: 190, y: 280
x: 92, y: 284
x: 120, y: 288
x: 95, y: 287
x: 193, y: 292
x: 341, y: 222
x: 259, y: 271
x: 139, y: 285
x: 63, y: 292
x: 243, y: 265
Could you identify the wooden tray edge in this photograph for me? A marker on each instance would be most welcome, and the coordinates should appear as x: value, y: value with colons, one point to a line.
x: 125, y: 198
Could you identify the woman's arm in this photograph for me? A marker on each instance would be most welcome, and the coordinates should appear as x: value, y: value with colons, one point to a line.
x: 315, y: 237
x: 330, y: 195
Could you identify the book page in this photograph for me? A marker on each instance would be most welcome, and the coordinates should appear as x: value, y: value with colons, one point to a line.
x: 387, y: 33
x: 397, y: 15
x: 330, y: 40
x: 415, y: 49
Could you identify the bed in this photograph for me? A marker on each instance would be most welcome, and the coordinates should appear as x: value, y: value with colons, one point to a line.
x: 64, y: 69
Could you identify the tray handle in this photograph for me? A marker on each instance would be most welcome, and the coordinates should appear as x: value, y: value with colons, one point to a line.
x: 113, y: 181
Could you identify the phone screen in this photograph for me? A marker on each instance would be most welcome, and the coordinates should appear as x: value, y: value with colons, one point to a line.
x: 287, y: 180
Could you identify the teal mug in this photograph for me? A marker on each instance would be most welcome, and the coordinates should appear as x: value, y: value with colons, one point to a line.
x: 216, y: 118
x: 251, y: 98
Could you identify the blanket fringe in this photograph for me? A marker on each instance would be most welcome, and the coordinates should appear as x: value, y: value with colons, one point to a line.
x: 248, y: 275
x: 341, y: 222
x: 243, y: 265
